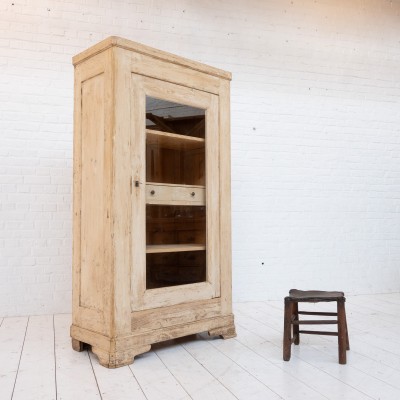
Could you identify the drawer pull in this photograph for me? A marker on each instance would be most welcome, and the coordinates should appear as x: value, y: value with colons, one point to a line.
x: 193, y: 194
x: 152, y: 192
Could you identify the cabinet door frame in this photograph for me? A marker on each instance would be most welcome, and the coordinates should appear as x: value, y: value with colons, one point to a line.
x: 142, y: 298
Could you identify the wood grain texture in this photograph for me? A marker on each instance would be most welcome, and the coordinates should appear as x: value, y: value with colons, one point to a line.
x: 142, y: 49
x: 189, y: 195
x: 172, y: 248
x: 124, y: 201
x: 173, y: 141
x: 121, y: 305
x: 92, y: 233
x: 225, y: 197
x: 91, y: 199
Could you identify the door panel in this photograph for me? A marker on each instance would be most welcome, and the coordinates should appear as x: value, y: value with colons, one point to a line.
x: 175, y: 194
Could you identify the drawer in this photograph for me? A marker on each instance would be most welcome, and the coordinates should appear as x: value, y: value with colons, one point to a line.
x: 175, y: 194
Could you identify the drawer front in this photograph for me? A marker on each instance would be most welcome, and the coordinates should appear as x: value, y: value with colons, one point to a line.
x: 175, y: 195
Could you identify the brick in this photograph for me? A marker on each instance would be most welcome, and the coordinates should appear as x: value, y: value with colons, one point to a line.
x: 315, y: 138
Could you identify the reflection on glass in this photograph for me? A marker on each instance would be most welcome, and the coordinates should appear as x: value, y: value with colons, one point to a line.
x: 175, y: 144
x: 176, y: 218
x: 172, y: 269
x: 166, y: 116
x: 175, y: 225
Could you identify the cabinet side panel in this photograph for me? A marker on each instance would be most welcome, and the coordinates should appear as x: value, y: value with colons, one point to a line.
x: 92, y: 189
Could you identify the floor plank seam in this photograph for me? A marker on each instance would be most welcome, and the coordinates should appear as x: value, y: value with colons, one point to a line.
x: 300, y: 358
x: 381, y: 349
x: 277, y: 366
x: 94, y: 374
x: 165, y: 365
x: 375, y: 377
x: 248, y: 366
x: 20, y: 357
x: 325, y: 340
x: 134, y: 377
x: 355, y: 352
x: 203, y: 366
x: 320, y: 350
x: 353, y: 367
x: 216, y: 348
x: 55, y: 357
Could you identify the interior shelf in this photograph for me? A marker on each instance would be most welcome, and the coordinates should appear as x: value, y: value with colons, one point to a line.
x: 173, y: 248
x: 173, y: 141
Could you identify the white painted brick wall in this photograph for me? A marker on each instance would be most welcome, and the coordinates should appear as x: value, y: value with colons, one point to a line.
x: 315, y: 137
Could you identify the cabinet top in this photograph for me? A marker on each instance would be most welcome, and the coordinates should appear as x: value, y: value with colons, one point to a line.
x: 149, y: 51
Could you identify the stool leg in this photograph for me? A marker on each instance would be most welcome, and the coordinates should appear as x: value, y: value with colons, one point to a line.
x: 347, y: 332
x: 296, y: 334
x: 341, y: 331
x: 287, y: 330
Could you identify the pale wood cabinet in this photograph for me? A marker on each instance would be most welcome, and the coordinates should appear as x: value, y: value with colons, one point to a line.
x: 151, y: 227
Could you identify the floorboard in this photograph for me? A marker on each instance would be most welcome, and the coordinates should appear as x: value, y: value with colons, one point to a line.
x: 116, y: 384
x: 156, y: 380
x: 74, y: 373
x: 12, y: 337
x: 236, y: 379
x: 36, y: 374
x: 40, y: 363
x: 195, y: 379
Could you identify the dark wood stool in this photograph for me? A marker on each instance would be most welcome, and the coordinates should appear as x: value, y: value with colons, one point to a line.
x: 292, y: 319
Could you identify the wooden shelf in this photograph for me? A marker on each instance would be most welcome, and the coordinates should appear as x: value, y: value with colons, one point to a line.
x: 173, y: 141
x: 174, y: 248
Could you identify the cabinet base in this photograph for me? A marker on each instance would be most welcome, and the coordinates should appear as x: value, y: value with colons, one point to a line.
x: 226, y: 332
x: 112, y: 359
x: 120, y: 358
x: 77, y: 345
x: 119, y: 351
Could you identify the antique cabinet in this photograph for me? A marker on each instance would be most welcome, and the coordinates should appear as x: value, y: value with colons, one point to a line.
x: 151, y: 203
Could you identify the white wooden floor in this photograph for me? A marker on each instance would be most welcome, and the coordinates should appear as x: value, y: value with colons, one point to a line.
x: 37, y: 362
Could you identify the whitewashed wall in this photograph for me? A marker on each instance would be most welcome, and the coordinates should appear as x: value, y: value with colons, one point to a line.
x: 315, y: 137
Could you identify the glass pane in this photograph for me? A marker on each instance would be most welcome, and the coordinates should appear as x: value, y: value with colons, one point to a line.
x: 172, y: 233
x: 175, y: 143
x: 172, y: 269
x: 166, y: 116
x: 175, y: 194
x: 167, y: 225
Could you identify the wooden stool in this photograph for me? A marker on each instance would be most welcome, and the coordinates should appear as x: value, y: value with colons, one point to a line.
x: 292, y: 319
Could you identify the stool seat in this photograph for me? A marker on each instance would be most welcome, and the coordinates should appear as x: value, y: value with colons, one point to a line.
x: 314, y: 295
x: 292, y: 321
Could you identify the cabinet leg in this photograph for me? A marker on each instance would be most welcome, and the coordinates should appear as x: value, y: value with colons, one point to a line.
x: 77, y: 345
x: 226, y: 332
x: 119, y: 359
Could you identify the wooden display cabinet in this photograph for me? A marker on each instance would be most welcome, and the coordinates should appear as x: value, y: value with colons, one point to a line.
x: 152, y: 231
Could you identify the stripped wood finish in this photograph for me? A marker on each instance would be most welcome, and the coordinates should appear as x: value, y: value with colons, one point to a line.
x: 173, y: 141
x: 132, y: 166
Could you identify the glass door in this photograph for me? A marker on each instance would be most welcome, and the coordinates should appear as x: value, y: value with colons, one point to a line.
x: 181, y: 195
